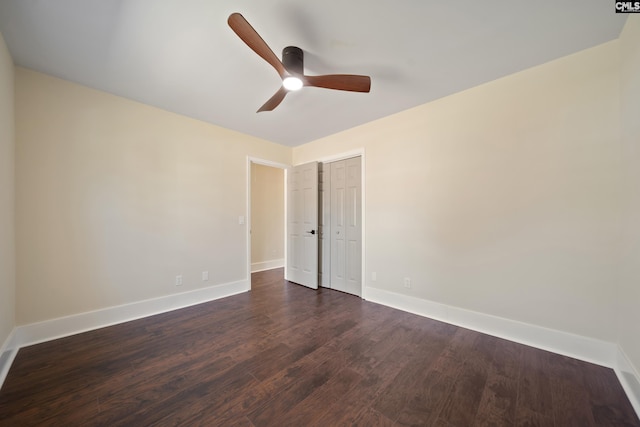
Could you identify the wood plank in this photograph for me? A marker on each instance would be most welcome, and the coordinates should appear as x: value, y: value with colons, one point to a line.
x: 274, y: 411
x: 427, y: 400
x: 347, y: 410
x: 570, y: 405
x: 462, y: 403
x: 498, y: 404
x: 534, y: 406
x: 372, y: 418
x: 313, y: 408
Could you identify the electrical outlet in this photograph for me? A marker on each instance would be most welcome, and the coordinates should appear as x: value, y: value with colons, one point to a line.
x: 407, y: 282
x: 374, y: 276
x: 179, y: 280
x: 205, y: 276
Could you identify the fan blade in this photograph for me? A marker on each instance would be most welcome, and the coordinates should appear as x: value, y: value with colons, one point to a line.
x: 348, y: 82
x: 245, y: 31
x: 274, y: 101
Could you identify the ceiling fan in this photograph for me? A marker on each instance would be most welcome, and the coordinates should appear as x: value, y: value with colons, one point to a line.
x: 291, y: 68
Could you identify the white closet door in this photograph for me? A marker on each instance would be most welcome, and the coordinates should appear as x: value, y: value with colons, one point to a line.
x: 346, y: 229
x: 302, y: 225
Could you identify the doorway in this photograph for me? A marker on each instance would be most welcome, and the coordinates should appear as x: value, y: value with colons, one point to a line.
x: 266, y: 216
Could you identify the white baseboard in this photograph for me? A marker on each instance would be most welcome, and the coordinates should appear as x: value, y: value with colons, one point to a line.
x: 267, y: 265
x: 576, y: 346
x: 35, y: 333
x: 6, y: 357
x: 629, y: 378
x: 5, y: 346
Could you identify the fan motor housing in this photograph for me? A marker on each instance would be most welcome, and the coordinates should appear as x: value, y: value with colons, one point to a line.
x: 293, y: 59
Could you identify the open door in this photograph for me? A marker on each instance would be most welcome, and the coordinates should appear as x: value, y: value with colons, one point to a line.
x: 302, y: 225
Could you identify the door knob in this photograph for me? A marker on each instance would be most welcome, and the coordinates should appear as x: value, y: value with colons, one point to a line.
x: 312, y: 231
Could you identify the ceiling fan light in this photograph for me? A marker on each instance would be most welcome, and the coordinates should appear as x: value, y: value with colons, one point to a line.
x: 292, y: 83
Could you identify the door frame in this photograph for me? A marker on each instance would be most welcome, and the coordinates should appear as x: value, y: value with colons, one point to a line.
x: 334, y: 158
x: 272, y: 164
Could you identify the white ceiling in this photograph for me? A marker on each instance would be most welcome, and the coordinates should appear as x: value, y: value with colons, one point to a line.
x: 180, y: 55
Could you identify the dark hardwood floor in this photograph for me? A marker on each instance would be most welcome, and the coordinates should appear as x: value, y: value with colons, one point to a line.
x: 285, y: 355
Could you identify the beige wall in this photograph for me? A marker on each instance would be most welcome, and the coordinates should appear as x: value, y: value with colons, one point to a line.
x: 629, y: 297
x: 115, y: 198
x: 503, y: 199
x: 7, y: 191
x: 267, y: 213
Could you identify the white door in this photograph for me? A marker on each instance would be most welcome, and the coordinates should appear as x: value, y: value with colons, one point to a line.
x: 324, y: 224
x: 302, y: 225
x: 346, y: 229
